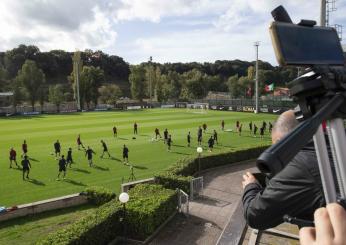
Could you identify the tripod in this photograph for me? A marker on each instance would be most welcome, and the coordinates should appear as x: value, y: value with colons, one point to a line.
x: 317, y: 104
x: 132, y: 175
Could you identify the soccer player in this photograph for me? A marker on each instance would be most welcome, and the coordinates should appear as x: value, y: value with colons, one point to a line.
x: 13, y: 156
x: 261, y: 132
x: 237, y: 126
x: 240, y: 127
x: 270, y: 127
x: 125, y: 154
x: 89, y: 153
x: 188, y: 139
x: 135, y: 128
x: 69, y: 157
x: 264, y: 126
x: 204, y: 127
x: 157, y: 133
x: 254, y: 130
x: 211, y: 143
x: 199, y: 135
x: 165, y: 136
x: 115, y: 132
x: 62, y: 167
x: 57, y: 148
x: 105, y: 149
x: 169, y: 142
x: 250, y: 127
x: 24, y: 148
x: 215, y: 137
x: 79, y: 142
x: 223, y: 125
x: 26, y: 167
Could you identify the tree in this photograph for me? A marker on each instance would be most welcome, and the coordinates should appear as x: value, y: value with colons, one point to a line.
x: 42, y: 96
x: 196, y: 84
x: 19, y: 94
x: 56, y: 95
x: 137, y: 81
x: 233, y: 87
x: 110, y: 93
x: 90, y: 80
x: 32, y: 79
x: 15, y: 58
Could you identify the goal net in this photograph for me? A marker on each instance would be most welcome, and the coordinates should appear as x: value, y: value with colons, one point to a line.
x: 198, y: 107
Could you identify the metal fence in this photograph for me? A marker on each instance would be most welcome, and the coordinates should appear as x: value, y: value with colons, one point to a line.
x: 183, y: 202
x: 196, y: 187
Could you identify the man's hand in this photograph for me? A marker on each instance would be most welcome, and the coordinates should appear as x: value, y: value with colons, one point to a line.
x: 330, y: 228
x: 248, y: 178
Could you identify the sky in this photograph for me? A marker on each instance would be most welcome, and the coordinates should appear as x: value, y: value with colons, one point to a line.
x: 167, y: 30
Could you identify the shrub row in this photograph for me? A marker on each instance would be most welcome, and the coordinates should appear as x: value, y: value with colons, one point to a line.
x: 149, y: 206
x: 179, y: 175
x: 99, y: 195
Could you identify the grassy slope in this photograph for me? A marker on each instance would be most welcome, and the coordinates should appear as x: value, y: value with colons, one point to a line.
x: 148, y: 157
x: 28, y: 230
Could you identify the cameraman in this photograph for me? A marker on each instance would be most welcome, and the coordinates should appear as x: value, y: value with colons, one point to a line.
x: 296, y: 190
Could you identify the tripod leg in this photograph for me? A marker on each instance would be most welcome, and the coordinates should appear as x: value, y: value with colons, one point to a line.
x: 324, y: 166
x: 338, y: 143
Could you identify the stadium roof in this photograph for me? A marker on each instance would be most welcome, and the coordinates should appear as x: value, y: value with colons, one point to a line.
x: 3, y: 94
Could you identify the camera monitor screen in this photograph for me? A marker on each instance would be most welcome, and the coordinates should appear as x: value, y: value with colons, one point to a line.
x: 302, y: 45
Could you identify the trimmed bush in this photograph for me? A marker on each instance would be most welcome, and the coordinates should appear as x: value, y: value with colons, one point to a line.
x: 179, y: 175
x: 149, y: 206
x: 99, y: 195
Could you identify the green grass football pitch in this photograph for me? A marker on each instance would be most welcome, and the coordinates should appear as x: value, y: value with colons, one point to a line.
x: 147, y: 156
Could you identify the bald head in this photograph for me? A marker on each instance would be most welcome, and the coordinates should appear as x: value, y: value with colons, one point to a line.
x: 284, y: 125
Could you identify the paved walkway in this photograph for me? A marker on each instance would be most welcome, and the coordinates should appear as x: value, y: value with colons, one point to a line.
x: 211, y: 211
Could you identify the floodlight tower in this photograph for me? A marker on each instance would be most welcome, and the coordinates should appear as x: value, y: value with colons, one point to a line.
x: 328, y: 6
x: 256, y: 79
x: 150, y: 82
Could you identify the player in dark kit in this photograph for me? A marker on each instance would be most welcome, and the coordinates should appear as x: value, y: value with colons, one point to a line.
x: 157, y: 133
x: 125, y: 154
x: 13, y: 156
x: 188, y: 139
x: 240, y: 128
x: 105, y: 149
x: 115, y: 132
x: 211, y: 143
x: 24, y: 148
x: 57, y: 148
x: 261, y: 132
x: 165, y: 136
x: 79, y: 142
x: 223, y: 125
x: 264, y: 126
x: 250, y: 127
x: 169, y: 142
x: 89, y: 153
x: 26, y: 167
x: 204, y: 127
x: 237, y: 126
x: 69, y: 159
x: 199, y: 135
x: 270, y: 127
x: 254, y: 130
x: 135, y: 128
x: 215, y: 137
x: 62, y: 167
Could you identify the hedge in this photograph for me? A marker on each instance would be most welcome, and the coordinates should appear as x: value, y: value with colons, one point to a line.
x: 98, y: 195
x: 149, y: 206
x: 179, y: 175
